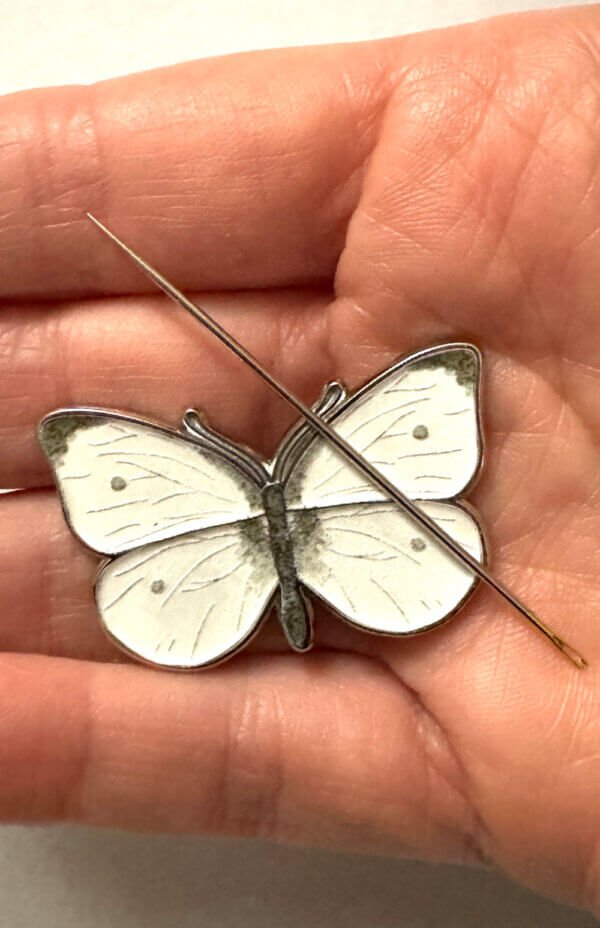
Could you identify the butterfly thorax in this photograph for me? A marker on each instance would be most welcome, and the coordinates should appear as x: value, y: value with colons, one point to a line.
x: 293, y: 608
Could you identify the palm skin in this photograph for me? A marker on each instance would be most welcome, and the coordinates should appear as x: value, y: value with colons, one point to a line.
x: 334, y: 208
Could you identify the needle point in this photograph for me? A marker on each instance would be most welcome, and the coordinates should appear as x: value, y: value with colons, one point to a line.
x: 574, y: 656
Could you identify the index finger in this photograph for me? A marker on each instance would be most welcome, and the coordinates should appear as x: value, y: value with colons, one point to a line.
x: 242, y: 171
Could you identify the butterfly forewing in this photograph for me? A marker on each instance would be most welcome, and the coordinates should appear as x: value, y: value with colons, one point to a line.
x: 417, y: 423
x: 378, y: 570
x: 125, y: 482
x: 189, y: 601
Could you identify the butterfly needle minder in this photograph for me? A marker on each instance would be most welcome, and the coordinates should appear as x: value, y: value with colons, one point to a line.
x: 346, y: 449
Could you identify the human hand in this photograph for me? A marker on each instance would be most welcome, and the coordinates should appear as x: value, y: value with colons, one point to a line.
x: 333, y: 208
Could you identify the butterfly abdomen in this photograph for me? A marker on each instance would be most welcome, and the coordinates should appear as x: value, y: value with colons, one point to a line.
x: 293, y: 610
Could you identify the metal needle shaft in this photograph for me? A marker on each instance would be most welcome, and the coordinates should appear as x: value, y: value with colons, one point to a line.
x: 350, y: 453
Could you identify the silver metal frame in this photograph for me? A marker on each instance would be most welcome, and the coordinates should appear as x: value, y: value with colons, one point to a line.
x: 334, y: 400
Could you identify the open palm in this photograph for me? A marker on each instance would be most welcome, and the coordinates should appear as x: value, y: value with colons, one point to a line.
x: 334, y: 208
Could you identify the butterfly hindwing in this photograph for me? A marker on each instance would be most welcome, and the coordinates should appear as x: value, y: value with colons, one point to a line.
x: 125, y: 482
x: 377, y: 569
x: 418, y: 423
x: 192, y: 600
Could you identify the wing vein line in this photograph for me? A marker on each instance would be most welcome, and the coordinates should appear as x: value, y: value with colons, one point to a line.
x: 391, y: 390
x: 131, y: 502
x: 111, y: 441
x: 162, y: 457
x: 390, y: 597
x: 356, y: 531
x: 203, y: 621
x: 123, y: 593
x: 154, y: 473
x: 191, y: 570
x: 123, y: 528
x: 177, y: 544
x: 241, y: 609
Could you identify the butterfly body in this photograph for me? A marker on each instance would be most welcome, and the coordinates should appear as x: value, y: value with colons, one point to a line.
x: 293, y: 608
x: 203, y: 536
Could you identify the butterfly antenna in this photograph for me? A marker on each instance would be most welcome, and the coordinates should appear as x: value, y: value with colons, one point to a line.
x: 327, y: 432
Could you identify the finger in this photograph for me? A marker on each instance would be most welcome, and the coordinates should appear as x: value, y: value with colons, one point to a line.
x: 228, y: 752
x: 233, y: 172
x: 144, y: 356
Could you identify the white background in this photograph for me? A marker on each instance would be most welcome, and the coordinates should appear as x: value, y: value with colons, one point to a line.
x: 76, y: 878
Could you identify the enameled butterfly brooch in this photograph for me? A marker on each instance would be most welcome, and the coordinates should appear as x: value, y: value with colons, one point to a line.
x: 200, y: 535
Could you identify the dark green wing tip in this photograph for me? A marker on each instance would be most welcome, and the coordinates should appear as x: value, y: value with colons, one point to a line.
x: 463, y: 361
x: 56, y: 429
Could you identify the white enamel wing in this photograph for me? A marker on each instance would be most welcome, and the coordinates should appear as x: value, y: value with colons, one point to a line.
x: 201, y: 534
